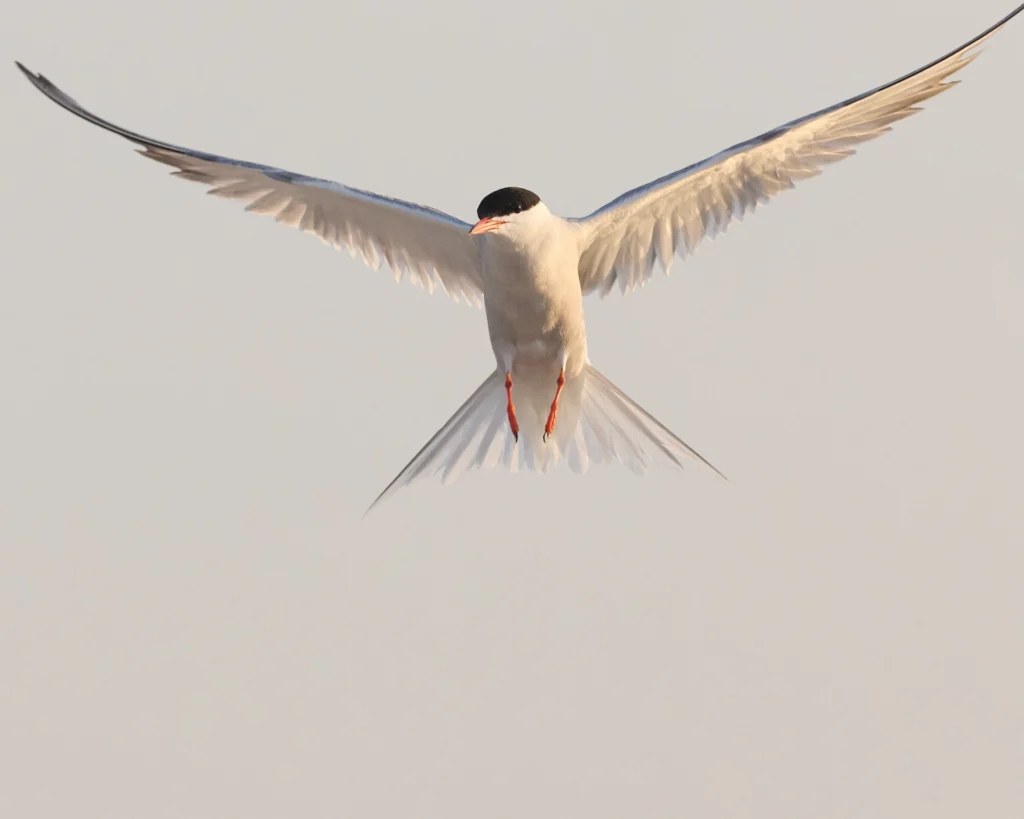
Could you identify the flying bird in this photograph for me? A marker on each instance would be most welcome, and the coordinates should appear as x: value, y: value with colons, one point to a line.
x: 544, y: 402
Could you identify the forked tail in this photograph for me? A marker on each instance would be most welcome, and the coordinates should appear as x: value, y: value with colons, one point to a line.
x: 597, y: 423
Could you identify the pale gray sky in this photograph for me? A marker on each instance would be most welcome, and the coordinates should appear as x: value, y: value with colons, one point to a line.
x: 199, y: 405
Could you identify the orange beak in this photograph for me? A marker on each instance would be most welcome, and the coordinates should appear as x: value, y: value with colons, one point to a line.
x: 486, y: 226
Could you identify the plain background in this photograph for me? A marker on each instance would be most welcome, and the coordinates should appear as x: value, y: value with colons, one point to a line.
x: 198, y: 405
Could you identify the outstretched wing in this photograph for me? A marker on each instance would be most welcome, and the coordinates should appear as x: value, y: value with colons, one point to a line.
x: 428, y: 246
x: 671, y: 215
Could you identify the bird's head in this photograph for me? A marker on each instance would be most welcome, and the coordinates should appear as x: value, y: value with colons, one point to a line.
x: 508, y: 211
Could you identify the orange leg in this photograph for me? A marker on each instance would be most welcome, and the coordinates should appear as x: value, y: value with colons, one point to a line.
x: 549, y: 427
x: 512, y: 422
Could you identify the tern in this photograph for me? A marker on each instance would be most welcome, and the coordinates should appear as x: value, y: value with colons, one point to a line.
x: 544, y: 402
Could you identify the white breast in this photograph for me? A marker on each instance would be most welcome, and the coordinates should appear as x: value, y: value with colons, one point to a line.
x: 532, y: 292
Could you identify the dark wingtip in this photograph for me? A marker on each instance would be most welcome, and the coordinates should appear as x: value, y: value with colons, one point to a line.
x: 38, y: 80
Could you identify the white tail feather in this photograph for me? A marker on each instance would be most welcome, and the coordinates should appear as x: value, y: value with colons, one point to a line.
x: 597, y: 423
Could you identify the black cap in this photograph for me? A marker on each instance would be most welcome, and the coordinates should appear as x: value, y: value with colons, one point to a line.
x: 506, y: 201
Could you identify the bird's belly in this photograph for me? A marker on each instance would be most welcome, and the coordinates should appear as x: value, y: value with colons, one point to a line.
x: 536, y: 332
x: 534, y: 306
x: 526, y: 317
